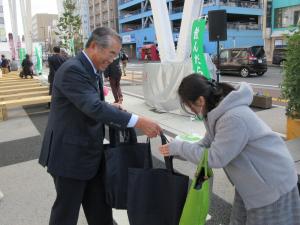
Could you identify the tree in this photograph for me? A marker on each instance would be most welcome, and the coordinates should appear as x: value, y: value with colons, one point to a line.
x: 69, y: 26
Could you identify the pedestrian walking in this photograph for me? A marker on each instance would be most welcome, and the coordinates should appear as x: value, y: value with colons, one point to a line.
x: 54, y: 62
x: 254, y: 158
x: 113, y: 74
x: 72, y: 147
x: 124, y: 60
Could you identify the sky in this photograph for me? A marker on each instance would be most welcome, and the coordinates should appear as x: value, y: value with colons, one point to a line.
x: 37, y: 6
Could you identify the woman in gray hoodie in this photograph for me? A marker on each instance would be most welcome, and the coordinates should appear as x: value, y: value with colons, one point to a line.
x: 254, y: 158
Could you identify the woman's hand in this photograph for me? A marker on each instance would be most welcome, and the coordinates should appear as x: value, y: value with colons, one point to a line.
x: 164, y: 150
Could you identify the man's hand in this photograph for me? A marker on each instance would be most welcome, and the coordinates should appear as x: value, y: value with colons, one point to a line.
x: 148, y: 127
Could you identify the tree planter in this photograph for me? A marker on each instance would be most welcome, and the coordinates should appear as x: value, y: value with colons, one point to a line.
x: 293, y: 128
x: 261, y: 101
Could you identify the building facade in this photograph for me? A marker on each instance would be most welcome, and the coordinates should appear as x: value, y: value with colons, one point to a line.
x: 282, y: 19
x: 3, y: 37
x: 40, y: 24
x: 103, y: 13
x: 244, y: 23
x: 82, y: 9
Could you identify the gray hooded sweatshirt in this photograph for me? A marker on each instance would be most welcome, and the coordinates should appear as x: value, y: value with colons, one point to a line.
x: 255, y: 159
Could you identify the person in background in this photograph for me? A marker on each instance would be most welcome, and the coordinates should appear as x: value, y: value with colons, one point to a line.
x: 113, y: 74
x: 54, y: 62
x: 14, y: 66
x: 8, y: 65
x: 254, y: 158
x: 64, y: 53
x: 4, y: 64
x: 124, y: 60
x: 27, y: 67
x: 72, y: 147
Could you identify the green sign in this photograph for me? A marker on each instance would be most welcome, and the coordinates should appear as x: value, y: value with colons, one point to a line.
x: 22, y: 54
x: 72, y: 46
x: 198, y: 57
x: 39, y: 63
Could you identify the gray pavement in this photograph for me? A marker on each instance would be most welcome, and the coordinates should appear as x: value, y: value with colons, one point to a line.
x: 29, y: 191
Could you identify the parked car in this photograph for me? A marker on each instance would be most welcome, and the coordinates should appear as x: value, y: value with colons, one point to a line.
x: 278, y: 56
x: 243, y: 61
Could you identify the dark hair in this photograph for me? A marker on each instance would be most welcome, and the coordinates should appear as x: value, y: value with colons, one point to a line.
x: 195, y: 85
x: 56, y: 49
x: 102, y: 36
x: 27, y: 56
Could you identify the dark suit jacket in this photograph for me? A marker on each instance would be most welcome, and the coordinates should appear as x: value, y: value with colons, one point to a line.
x: 54, y: 61
x: 73, y: 141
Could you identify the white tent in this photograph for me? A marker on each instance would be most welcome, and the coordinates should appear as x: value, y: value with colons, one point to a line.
x: 161, y: 80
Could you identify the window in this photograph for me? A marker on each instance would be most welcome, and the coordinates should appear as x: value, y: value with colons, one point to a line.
x: 238, y: 53
x: 269, y: 14
x: 1, y: 9
x: 224, y: 55
x: 285, y: 17
x: 235, y: 53
x: 1, y: 20
x: 278, y: 18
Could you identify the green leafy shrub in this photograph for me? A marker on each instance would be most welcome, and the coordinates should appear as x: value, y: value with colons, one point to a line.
x: 291, y: 79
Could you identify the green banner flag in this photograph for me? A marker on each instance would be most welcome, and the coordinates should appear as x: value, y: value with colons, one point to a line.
x: 22, y: 54
x: 198, y: 57
x: 72, y: 46
x: 39, y: 62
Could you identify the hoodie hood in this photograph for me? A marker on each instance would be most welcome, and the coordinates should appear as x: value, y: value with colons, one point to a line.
x: 241, y: 96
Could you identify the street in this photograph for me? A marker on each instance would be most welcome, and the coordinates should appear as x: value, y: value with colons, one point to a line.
x: 268, y: 84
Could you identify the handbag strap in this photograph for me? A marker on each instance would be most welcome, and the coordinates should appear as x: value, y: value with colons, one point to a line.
x: 168, y: 159
x: 148, y: 156
x: 206, y: 162
x: 203, y: 163
x: 199, y: 176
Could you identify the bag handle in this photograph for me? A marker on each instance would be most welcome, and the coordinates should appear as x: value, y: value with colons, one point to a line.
x: 199, y: 176
x: 168, y: 159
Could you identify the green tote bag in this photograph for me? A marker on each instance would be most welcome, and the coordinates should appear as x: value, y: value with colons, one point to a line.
x: 198, y: 199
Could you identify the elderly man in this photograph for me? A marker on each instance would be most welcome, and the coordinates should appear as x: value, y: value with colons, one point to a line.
x: 72, y: 148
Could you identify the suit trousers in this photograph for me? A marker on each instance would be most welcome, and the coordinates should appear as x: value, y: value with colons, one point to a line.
x: 116, y: 89
x: 71, y: 193
x: 50, y: 87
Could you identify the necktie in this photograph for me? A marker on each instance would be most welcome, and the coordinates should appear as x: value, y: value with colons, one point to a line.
x: 100, y: 84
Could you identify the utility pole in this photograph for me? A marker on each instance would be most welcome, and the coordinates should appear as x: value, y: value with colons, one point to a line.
x: 14, y: 25
x: 27, y: 24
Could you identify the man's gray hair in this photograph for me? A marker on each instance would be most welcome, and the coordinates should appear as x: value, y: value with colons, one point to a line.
x: 102, y: 36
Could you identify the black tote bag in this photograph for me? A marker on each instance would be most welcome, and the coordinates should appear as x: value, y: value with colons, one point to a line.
x: 119, y: 156
x: 156, y: 196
